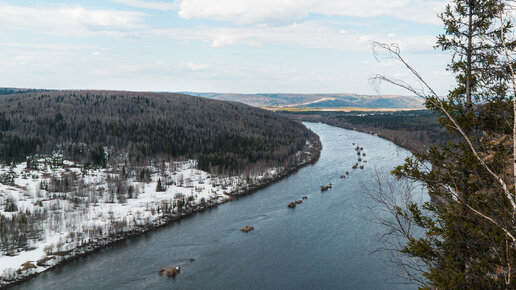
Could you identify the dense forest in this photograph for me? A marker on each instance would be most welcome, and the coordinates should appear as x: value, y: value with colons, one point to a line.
x: 94, y: 127
x: 10, y: 91
x: 414, y: 130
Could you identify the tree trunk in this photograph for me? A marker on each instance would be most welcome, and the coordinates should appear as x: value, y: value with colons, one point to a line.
x: 513, y: 79
x: 469, y: 53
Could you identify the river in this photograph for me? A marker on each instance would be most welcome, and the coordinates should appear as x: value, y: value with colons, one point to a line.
x: 324, y: 243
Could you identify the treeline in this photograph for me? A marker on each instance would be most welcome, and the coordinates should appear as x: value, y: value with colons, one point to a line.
x: 414, y: 130
x: 10, y: 91
x: 142, y: 127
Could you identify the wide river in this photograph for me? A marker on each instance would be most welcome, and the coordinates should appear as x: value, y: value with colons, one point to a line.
x: 324, y: 243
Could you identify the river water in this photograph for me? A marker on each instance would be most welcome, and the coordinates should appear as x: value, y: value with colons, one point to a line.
x: 324, y: 243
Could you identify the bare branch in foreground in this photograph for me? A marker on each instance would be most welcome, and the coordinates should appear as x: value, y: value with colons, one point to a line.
x: 394, y: 52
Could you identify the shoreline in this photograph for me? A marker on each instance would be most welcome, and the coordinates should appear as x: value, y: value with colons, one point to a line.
x: 379, y: 135
x: 82, y: 251
x: 348, y: 126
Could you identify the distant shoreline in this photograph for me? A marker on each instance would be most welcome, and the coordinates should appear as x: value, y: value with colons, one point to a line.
x: 337, y: 109
x: 406, y: 139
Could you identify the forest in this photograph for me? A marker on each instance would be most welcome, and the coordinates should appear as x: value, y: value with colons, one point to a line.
x: 85, y: 168
x: 415, y: 130
x: 95, y: 127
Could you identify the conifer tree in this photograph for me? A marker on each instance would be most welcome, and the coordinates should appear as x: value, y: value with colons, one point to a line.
x: 472, y: 35
x: 159, y: 186
x: 469, y: 225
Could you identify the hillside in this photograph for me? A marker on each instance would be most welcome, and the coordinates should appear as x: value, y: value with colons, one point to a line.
x: 144, y: 126
x: 10, y: 91
x: 107, y: 165
x: 318, y: 100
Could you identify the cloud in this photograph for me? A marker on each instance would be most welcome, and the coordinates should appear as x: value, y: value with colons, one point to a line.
x: 194, y: 67
x: 308, y: 34
x: 274, y: 12
x: 44, y: 57
x: 154, y: 68
x: 156, y: 5
x: 68, y: 21
x: 246, y: 11
x: 419, y: 11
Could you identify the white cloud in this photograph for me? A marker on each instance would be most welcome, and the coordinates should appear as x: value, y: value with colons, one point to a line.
x: 248, y: 11
x: 419, y: 11
x: 224, y: 39
x: 194, y: 66
x: 161, y: 57
x: 69, y: 21
x: 289, y: 11
x: 154, y: 68
x: 308, y: 34
x: 38, y: 57
x: 156, y: 5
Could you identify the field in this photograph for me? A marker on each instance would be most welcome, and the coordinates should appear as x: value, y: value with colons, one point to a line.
x: 337, y: 109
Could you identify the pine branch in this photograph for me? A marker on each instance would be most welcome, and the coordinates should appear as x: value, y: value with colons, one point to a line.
x: 394, y: 50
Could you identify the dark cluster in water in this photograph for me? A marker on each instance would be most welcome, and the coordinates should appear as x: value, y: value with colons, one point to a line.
x: 359, y: 164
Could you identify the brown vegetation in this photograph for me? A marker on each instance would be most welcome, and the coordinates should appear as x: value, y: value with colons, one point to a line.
x: 170, y: 271
x: 43, y: 262
x: 247, y: 228
x: 26, y: 266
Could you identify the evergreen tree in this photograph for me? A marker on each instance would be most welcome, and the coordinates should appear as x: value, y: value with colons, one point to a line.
x: 159, y: 186
x: 472, y: 34
x: 470, y: 223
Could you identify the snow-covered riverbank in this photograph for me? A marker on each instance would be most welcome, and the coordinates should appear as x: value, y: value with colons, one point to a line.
x: 53, y: 210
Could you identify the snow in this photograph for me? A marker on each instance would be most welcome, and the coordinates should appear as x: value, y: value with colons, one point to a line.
x: 91, y: 212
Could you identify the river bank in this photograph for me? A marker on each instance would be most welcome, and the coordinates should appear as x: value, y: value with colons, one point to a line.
x: 415, y: 131
x: 231, y: 189
x: 297, y: 248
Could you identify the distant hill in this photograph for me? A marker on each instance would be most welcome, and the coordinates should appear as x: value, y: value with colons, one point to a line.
x: 318, y: 100
x: 145, y: 126
x: 10, y: 91
x: 272, y: 100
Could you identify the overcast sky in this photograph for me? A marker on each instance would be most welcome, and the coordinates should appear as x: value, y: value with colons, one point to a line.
x: 241, y: 46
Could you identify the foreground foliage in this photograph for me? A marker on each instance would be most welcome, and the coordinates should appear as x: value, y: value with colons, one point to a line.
x: 470, y: 224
